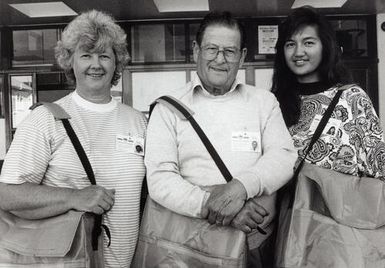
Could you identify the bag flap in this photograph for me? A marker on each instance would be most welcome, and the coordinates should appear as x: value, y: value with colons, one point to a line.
x: 160, y: 224
x: 354, y: 201
x: 51, y: 237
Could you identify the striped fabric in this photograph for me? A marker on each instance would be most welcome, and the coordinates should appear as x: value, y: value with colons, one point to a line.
x: 42, y: 152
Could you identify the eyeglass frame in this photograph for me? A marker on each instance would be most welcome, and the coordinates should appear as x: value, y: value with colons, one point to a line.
x: 213, y: 56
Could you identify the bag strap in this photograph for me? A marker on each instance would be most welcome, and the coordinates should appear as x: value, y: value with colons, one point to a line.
x: 60, y: 114
x: 291, y: 186
x: 97, y: 229
x: 79, y: 150
x: 187, y: 114
x: 321, y: 126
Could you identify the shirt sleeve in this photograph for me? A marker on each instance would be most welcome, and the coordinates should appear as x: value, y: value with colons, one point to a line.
x: 165, y: 183
x: 275, y: 167
x: 366, y: 134
x: 29, y: 154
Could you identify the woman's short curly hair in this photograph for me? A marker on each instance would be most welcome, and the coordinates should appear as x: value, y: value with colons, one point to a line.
x: 93, y: 31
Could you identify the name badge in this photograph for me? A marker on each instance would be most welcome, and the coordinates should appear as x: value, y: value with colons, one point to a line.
x: 130, y: 144
x: 246, y: 141
x: 331, y: 127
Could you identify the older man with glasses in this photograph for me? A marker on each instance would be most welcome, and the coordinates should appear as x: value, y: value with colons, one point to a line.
x: 245, y: 126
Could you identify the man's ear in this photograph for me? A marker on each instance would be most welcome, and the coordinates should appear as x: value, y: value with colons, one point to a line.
x: 196, y: 49
x: 243, y: 57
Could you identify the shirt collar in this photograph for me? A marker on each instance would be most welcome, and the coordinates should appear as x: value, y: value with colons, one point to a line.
x: 96, y: 107
x: 198, y: 86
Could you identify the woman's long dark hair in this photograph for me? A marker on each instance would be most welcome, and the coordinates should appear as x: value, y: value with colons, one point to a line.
x: 331, y: 69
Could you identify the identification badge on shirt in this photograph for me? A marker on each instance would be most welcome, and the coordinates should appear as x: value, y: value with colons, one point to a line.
x: 130, y: 144
x: 245, y: 141
x: 331, y: 127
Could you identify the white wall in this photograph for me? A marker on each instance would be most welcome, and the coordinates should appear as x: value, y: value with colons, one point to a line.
x: 381, y: 67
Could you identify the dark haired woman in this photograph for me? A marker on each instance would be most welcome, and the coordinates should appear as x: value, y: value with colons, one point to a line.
x: 307, y: 74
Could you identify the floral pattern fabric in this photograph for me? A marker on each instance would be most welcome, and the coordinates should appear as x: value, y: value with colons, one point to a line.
x: 352, y: 141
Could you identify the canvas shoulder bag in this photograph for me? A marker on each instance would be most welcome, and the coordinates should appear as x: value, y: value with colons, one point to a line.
x: 330, y: 219
x: 168, y: 239
x: 68, y: 240
x: 334, y: 219
x: 286, y: 197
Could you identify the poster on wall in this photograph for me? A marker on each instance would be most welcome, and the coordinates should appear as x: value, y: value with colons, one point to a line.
x: 267, y: 37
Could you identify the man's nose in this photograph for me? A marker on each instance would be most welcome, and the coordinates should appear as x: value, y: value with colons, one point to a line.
x: 220, y: 56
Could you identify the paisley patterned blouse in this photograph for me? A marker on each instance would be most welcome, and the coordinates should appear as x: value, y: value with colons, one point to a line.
x: 352, y: 141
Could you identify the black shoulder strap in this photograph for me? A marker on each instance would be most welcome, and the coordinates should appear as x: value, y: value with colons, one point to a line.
x: 60, y: 114
x: 321, y: 126
x: 79, y: 150
x: 289, y: 189
x: 210, y: 148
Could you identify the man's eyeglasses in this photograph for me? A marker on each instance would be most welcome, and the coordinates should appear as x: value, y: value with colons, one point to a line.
x: 210, y: 52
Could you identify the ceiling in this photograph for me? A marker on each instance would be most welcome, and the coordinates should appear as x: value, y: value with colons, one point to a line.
x: 133, y: 10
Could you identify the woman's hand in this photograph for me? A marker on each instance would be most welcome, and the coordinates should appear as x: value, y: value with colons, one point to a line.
x: 94, y: 198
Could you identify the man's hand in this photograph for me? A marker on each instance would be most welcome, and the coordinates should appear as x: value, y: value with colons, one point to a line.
x: 225, y: 201
x: 249, y: 217
x: 94, y: 198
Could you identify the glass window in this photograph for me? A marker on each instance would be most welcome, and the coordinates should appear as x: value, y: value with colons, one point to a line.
x: 352, y: 37
x: 2, y: 96
x: 158, y: 43
x: 22, y: 97
x: 34, y: 47
x: 3, y: 140
x: 3, y: 125
x: 1, y: 56
x: 144, y: 93
x: 255, y: 37
x: 116, y: 91
x: 193, y: 29
x: 51, y: 86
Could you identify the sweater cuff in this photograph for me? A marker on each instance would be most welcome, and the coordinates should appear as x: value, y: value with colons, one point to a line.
x: 204, y: 201
x: 251, y: 184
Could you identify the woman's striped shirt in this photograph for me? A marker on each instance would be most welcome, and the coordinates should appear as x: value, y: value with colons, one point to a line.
x: 41, y: 152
